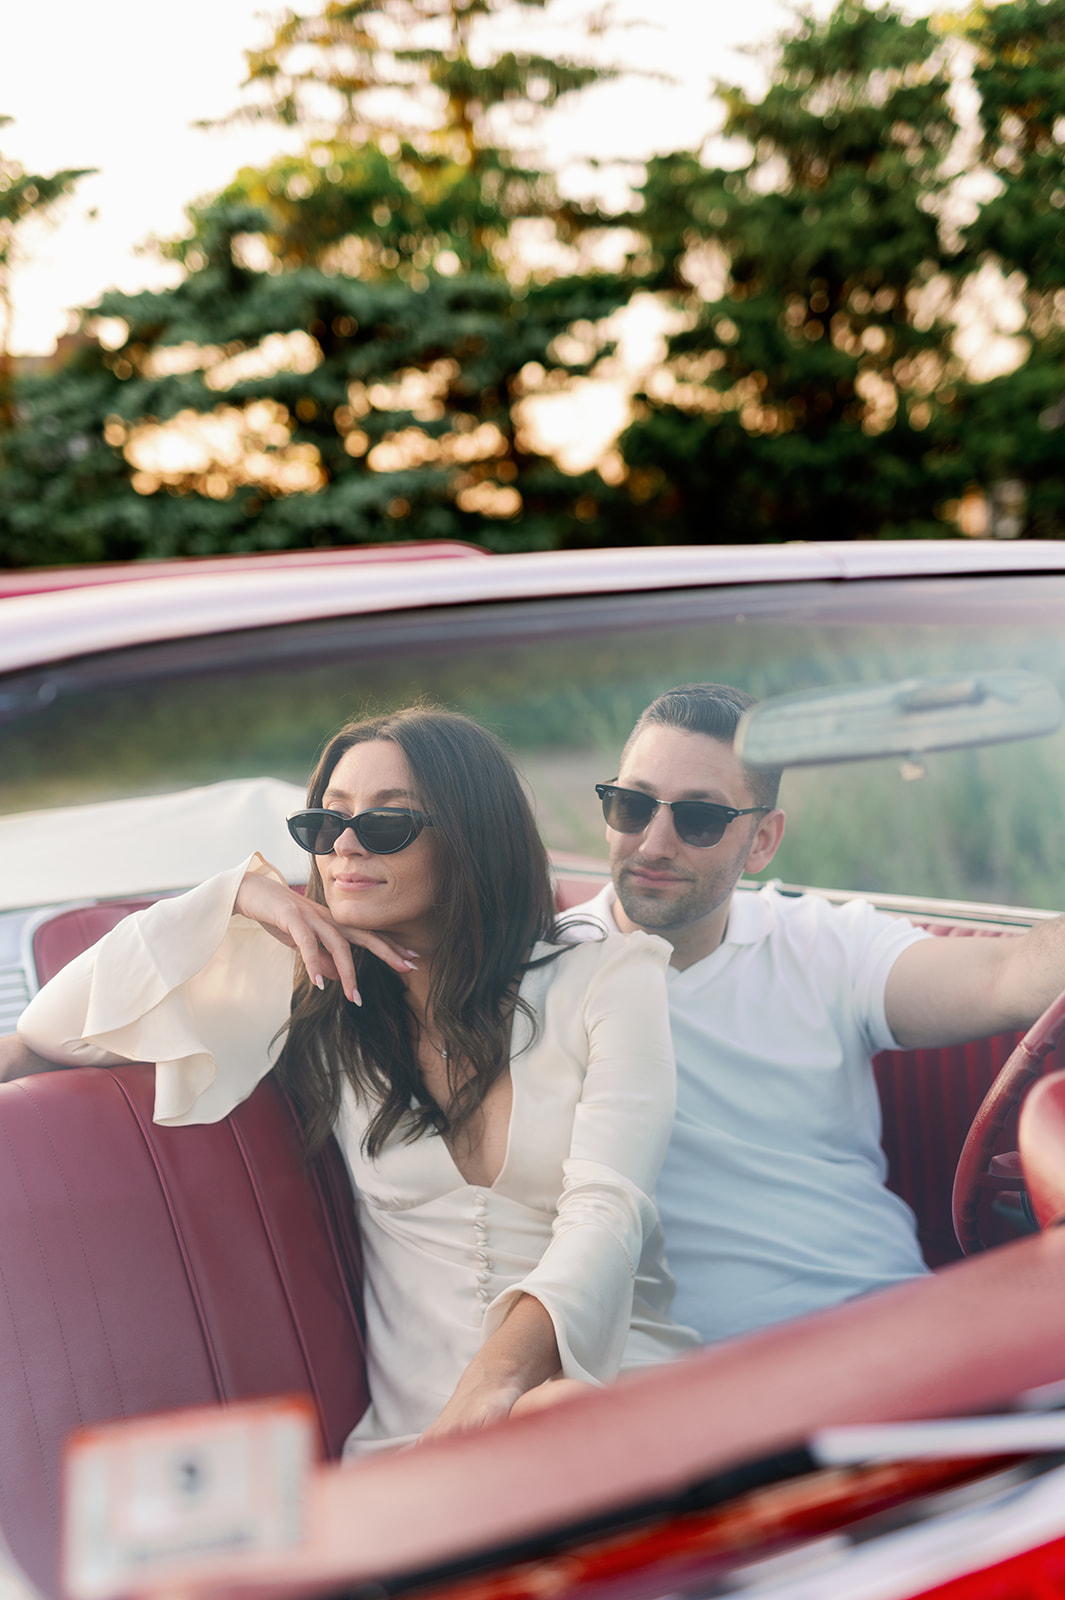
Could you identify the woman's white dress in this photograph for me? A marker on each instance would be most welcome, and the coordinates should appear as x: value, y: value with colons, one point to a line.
x: 570, y: 1219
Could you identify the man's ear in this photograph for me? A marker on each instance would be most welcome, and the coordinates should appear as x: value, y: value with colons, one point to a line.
x: 766, y: 842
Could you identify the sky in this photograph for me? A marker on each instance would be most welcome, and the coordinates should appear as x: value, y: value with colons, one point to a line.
x: 118, y: 84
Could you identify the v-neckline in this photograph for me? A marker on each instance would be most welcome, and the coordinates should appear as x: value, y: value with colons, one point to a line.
x: 468, y: 1183
x: 518, y: 1018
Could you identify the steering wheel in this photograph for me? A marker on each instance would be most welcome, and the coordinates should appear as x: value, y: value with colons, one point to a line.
x: 1024, y: 1066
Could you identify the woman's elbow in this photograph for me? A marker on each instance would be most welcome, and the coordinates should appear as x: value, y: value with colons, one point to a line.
x: 17, y: 1060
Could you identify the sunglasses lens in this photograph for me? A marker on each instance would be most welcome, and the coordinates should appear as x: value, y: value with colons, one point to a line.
x: 699, y: 823
x: 317, y: 831
x: 626, y: 810
x: 385, y: 832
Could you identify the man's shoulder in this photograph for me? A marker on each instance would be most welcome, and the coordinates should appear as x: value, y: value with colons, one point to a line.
x: 809, y: 905
x: 591, y: 918
x: 830, y: 937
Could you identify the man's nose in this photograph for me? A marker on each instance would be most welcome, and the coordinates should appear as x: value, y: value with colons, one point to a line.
x: 659, y: 836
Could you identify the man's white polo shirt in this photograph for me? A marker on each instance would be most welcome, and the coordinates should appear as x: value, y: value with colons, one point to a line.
x: 772, y: 1196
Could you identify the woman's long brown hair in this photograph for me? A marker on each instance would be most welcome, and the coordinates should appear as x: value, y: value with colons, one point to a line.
x: 493, y: 901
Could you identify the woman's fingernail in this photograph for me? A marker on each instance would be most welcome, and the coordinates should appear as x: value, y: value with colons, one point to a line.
x: 413, y: 953
x: 356, y: 997
x: 410, y: 966
x: 319, y: 981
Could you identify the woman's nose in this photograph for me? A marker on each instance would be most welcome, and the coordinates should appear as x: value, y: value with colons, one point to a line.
x: 348, y: 844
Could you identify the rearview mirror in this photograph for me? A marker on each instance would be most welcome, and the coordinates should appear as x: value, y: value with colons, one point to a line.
x: 907, y: 719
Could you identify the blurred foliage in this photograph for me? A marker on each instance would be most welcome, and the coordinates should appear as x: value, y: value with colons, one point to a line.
x: 802, y: 393
x: 1009, y: 430
x: 359, y: 327
x: 22, y: 195
x: 345, y: 355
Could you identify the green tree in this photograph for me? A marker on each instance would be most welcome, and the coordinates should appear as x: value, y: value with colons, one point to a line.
x: 1008, y: 431
x: 804, y: 392
x: 355, y: 321
x: 22, y: 195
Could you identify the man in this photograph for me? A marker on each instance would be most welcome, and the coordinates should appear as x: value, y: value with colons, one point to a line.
x: 772, y: 1196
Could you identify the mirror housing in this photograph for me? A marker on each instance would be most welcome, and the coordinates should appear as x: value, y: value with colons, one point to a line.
x: 862, y: 721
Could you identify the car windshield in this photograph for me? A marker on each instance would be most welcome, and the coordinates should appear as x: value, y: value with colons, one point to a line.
x: 562, y: 681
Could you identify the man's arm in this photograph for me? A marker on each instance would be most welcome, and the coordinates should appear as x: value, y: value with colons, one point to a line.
x: 945, y: 991
x: 17, y: 1060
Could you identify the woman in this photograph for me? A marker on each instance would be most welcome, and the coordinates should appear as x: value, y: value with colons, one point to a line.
x: 503, y: 1098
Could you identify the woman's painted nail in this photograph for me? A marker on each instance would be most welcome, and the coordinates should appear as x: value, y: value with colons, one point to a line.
x: 319, y: 981
x: 356, y: 997
x: 413, y: 953
x: 411, y: 966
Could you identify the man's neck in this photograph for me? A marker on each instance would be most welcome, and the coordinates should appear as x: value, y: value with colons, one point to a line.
x: 691, y: 943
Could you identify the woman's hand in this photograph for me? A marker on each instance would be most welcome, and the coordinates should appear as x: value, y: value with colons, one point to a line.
x: 323, y: 946
x: 516, y: 1358
x: 480, y: 1398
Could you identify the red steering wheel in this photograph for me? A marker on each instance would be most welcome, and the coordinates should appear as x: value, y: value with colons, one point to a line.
x: 1024, y: 1066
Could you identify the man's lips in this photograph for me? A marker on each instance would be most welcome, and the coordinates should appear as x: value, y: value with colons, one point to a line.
x: 653, y: 877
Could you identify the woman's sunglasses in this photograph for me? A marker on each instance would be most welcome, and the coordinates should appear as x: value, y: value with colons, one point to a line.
x: 697, y: 822
x: 382, y: 831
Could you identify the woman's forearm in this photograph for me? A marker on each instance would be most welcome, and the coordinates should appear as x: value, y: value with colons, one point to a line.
x: 518, y: 1356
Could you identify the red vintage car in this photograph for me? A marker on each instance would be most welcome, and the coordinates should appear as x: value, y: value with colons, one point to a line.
x: 158, y: 721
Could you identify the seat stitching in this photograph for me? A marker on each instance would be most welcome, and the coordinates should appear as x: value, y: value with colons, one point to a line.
x: 84, y: 1257
x: 282, y: 1274
x: 201, y: 1313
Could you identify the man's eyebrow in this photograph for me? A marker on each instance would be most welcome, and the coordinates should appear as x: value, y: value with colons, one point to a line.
x: 713, y: 797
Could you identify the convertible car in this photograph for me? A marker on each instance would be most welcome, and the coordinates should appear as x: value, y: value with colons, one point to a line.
x: 157, y: 723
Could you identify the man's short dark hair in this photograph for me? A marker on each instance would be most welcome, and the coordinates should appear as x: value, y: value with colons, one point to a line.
x: 715, y: 710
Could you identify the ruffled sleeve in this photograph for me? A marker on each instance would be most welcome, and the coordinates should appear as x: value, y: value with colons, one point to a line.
x: 186, y: 984
x: 621, y: 1128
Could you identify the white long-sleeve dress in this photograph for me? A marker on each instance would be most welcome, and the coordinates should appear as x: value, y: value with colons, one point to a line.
x: 570, y: 1218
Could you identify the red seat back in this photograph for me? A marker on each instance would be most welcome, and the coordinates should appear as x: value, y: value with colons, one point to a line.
x: 68, y: 933
x: 928, y: 1099
x: 144, y: 1268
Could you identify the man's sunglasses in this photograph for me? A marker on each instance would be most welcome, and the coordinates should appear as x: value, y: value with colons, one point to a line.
x: 697, y: 822
x: 382, y: 831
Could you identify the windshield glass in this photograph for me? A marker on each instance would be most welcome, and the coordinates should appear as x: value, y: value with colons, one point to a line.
x: 562, y: 682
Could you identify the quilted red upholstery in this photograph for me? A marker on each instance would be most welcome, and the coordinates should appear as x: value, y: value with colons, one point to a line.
x: 928, y: 1099
x: 144, y: 1268
x: 68, y: 933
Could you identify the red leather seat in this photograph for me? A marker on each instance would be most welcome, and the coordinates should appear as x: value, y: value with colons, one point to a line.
x: 145, y: 1268
x: 928, y: 1099
x: 68, y: 933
